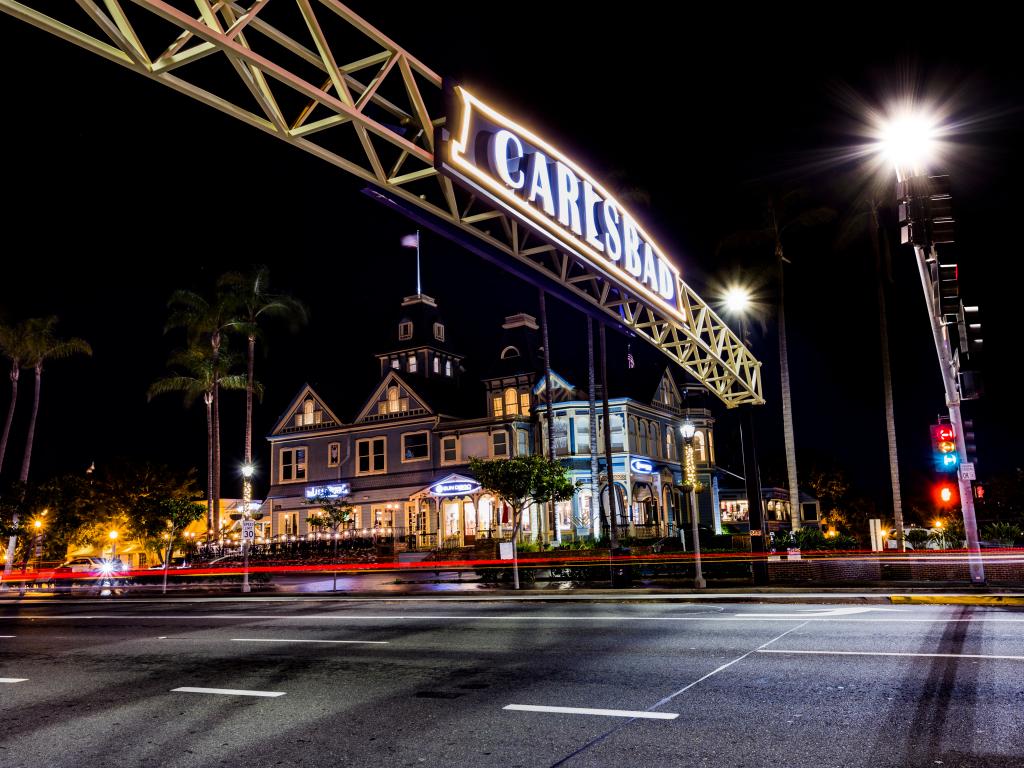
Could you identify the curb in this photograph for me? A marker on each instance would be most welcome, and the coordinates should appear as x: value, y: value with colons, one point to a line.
x: 958, y: 599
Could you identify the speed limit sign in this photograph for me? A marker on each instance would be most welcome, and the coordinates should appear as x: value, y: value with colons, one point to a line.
x: 249, y: 530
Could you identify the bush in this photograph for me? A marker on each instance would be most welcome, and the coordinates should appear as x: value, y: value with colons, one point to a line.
x: 1004, y: 534
x: 918, y: 538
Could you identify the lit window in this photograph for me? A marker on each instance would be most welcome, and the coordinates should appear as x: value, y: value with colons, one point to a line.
x: 447, y: 367
x: 698, y: 447
x: 499, y: 443
x: 293, y: 464
x: 333, y: 454
x: 511, y: 402
x: 437, y: 364
x: 415, y: 446
x: 309, y: 416
x: 439, y: 331
x: 524, y: 403
x: 394, y: 363
x: 404, y: 331
x: 496, y: 403
x: 412, y: 363
x: 449, y: 450
x: 370, y: 455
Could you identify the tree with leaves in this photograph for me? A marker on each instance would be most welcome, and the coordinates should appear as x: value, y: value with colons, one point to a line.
x: 785, y: 215
x: 520, y: 482
x: 41, y: 346
x: 332, y: 512
x: 251, y: 304
x: 14, y: 347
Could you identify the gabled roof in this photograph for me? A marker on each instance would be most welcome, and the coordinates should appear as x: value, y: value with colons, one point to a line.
x: 417, y: 405
x: 322, y: 416
x: 557, y: 382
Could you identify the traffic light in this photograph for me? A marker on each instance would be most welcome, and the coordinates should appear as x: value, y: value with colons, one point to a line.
x: 945, y: 280
x: 944, y: 448
x: 946, y: 494
x: 971, y: 449
x: 925, y: 210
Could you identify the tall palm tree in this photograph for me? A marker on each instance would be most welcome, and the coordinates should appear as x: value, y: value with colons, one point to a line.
x: 864, y: 223
x: 199, y: 378
x: 786, y: 215
x: 13, y: 345
x: 252, y: 303
x: 207, y: 322
x: 41, y: 344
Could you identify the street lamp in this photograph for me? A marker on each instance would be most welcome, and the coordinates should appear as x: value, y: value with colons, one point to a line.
x: 690, y: 481
x: 910, y: 141
x: 247, y: 472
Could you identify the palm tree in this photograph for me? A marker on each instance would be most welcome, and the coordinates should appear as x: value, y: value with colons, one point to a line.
x: 12, y: 346
x: 864, y: 222
x: 205, y: 322
x: 41, y: 345
x: 199, y: 377
x: 785, y: 216
x: 251, y: 302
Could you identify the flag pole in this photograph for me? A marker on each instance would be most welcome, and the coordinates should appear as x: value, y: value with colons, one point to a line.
x: 419, y: 288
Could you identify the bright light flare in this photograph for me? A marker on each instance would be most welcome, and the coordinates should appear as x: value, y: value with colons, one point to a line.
x: 909, y: 141
x: 737, y: 299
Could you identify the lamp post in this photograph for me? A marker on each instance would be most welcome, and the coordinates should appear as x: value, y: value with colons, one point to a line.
x: 690, y: 481
x: 247, y: 473
x: 909, y: 141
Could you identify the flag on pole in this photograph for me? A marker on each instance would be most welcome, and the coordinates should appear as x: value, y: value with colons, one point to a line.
x: 629, y: 358
x: 411, y: 241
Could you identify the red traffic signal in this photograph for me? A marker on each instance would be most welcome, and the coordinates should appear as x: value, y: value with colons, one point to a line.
x: 944, y: 448
x: 946, y: 494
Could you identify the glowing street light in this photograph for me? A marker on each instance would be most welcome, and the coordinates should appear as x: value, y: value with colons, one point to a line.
x: 688, y: 430
x: 737, y: 300
x: 910, y: 140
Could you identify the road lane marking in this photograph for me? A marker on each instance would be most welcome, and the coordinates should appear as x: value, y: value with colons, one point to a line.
x: 228, y: 692
x: 8, y: 637
x: 587, y: 711
x: 813, y: 613
x: 893, y: 653
x: 286, y: 640
x: 13, y: 679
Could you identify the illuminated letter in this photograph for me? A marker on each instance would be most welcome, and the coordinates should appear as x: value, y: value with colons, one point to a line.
x: 540, y: 183
x: 611, y: 230
x: 568, y: 198
x: 666, y: 281
x: 650, y: 275
x: 631, y: 246
x: 501, y: 160
x: 590, y: 201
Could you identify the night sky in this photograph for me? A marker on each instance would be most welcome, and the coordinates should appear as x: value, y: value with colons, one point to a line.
x: 118, y: 191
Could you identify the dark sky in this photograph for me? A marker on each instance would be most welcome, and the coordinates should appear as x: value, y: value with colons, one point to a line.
x: 119, y: 191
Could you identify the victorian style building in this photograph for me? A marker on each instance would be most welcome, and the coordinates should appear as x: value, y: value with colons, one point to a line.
x: 401, y: 460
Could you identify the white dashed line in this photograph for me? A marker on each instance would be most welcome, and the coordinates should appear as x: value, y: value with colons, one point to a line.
x: 287, y: 640
x: 586, y: 711
x: 228, y: 692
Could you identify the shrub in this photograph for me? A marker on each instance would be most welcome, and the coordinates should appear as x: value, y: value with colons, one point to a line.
x: 1005, y: 534
x: 918, y: 538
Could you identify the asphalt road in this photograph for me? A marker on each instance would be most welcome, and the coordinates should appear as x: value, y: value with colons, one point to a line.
x: 429, y: 683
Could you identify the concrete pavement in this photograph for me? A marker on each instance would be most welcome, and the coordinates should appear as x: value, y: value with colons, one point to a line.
x: 410, y: 683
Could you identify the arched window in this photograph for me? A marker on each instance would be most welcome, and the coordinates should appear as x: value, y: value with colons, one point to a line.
x: 655, y: 440
x: 641, y: 429
x: 511, y: 402
x: 698, y: 447
x: 633, y: 445
x: 307, y: 407
x: 670, y: 445
x: 508, y: 352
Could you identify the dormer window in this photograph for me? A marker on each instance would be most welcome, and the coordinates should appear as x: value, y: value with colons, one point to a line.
x: 394, y: 403
x: 404, y: 331
x: 309, y: 415
x: 439, y: 331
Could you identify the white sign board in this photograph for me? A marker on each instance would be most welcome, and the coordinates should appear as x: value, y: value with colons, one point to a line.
x: 505, y: 550
x: 967, y: 471
x: 249, y: 530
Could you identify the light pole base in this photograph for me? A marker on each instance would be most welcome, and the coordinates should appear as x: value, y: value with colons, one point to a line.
x: 699, y: 583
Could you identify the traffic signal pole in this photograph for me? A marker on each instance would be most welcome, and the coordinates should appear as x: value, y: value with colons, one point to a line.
x: 948, y: 368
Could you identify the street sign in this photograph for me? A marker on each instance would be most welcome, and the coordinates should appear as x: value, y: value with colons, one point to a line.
x: 249, y: 530
x: 967, y: 471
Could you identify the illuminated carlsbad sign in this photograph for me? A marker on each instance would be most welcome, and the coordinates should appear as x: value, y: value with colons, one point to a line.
x: 543, y: 188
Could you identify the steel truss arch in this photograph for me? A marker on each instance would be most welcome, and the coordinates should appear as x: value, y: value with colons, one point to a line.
x: 316, y: 75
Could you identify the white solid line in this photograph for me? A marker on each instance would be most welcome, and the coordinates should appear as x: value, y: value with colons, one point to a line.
x: 8, y: 636
x: 13, y: 679
x: 228, y: 692
x: 891, y: 653
x: 586, y: 711
x: 275, y: 640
